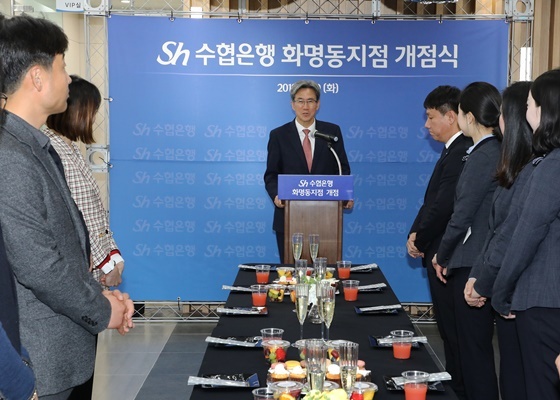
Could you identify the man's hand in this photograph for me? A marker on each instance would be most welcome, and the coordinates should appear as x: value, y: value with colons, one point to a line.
x: 279, y: 203
x: 472, y: 297
x: 122, y: 309
x: 113, y: 278
x: 349, y: 204
x: 440, y: 271
x: 411, y: 247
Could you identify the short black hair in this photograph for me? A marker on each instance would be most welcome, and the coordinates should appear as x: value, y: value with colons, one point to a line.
x: 443, y: 98
x: 24, y: 42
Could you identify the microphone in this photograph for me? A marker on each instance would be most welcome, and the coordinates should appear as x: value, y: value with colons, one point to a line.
x: 325, y: 136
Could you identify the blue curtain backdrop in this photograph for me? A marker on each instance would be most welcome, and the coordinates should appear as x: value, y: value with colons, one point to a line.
x: 195, y: 99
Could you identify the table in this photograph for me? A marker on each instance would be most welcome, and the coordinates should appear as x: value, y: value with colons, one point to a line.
x: 346, y: 325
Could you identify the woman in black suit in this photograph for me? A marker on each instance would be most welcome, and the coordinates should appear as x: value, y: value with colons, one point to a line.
x: 514, y: 169
x: 528, y: 282
x: 465, y: 234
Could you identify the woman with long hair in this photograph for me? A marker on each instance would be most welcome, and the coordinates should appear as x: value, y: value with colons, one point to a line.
x: 465, y: 234
x: 528, y: 281
x: 514, y: 169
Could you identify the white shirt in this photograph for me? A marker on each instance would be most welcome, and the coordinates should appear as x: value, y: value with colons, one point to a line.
x: 311, y: 128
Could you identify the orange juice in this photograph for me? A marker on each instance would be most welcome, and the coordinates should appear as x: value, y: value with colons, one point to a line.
x: 262, y: 277
x: 415, y: 391
x: 401, y: 351
x: 343, y: 273
x: 259, y: 299
x: 350, y: 293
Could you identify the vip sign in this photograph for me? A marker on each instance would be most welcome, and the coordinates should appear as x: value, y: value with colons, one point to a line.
x: 69, y: 5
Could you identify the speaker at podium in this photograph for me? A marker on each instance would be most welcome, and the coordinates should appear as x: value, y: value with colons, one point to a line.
x: 314, y: 206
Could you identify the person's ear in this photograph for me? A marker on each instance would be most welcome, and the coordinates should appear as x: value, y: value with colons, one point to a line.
x: 36, y: 76
x: 451, y: 117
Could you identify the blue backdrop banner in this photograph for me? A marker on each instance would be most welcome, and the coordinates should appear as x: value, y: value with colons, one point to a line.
x: 195, y: 99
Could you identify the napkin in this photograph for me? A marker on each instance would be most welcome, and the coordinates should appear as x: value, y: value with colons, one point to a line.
x: 438, y: 376
x: 364, y: 267
x: 381, y: 308
x: 389, y: 340
x: 233, y: 342
x: 236, y: 288
x: 242, y: 310
x: 372, y: 287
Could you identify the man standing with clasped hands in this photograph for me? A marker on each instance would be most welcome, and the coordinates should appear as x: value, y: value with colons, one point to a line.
x: 293, y: 149
x: 441, y: 106
x: 61, y: 306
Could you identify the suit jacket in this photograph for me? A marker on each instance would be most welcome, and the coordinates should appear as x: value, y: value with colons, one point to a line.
x: 501, y: 224
x: 530, y: 272
x: 285, y: 156
x: 473, y: 202
x: 437, y: 208
x: 61, y: 306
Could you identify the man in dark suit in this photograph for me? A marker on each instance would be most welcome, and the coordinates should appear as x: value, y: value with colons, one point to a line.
x: 61, y: 306
x: 429, y: 226
x: 294, y: 149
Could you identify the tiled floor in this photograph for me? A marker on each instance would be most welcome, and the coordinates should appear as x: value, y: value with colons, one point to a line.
x: 157, y: 355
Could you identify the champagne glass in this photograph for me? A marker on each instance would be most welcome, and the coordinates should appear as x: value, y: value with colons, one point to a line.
x: 327, y: 305
x: 297, y: 245
x: 301, y: 270
x: 313, y: 245
x: 320, y: 270
x: 316, y: 363
x: 348, y: 362
x: 302, y: 301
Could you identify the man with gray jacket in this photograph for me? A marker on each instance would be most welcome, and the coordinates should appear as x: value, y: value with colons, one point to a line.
x: 61, y: 306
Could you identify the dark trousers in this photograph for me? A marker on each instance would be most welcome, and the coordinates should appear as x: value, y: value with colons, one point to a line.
x: 512, y: 377
x: 85, y: 390
x: 442, y: 300
x: 280, y: 244
x: 539, y: 336
x: 475, y: 329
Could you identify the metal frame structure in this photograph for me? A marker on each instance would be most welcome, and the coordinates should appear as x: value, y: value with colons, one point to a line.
x: 518, y: 13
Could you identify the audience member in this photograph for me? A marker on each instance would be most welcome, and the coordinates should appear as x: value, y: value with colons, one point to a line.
x: 514, y: 169
x: 442, y: 107
x: 529, y: 276
x: 61, y: 305
x: 479, y: 111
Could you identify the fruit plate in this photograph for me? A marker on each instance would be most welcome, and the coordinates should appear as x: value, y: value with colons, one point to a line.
x: 242, y: 381
x: 373, y: 342
x: 242, y: 311
x: 436, y: 386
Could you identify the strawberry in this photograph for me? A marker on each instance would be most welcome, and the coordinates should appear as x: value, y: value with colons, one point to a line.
x: 280, y: 354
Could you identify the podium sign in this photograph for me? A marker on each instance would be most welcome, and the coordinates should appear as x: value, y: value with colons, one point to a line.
x: 316, y: 187
x: 314, y: 205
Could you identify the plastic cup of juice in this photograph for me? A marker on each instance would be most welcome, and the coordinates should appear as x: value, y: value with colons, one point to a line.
x: 259, y: 295
x: 350, y: 288
x: 402, y: 344
x: 263, y: 271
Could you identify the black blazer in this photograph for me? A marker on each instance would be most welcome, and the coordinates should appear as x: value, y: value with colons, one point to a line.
x: 473, y: 201
x: 285, y: 156
x: 530, y: 272
x: 437, y: 208
x: 9, y: 316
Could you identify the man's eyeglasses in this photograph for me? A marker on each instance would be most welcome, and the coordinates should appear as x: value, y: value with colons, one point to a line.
x: 308, y: 102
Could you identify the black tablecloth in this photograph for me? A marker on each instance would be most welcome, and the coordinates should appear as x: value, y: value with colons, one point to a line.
x: 346, y: 325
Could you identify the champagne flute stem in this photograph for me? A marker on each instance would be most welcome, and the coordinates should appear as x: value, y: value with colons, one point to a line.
x: 327, y: 336
x: 300, y: 331
x: 323, y: 331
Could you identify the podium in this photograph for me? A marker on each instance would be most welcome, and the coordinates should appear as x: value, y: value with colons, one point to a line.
x: 314, y: 205
x: 311, y: 216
